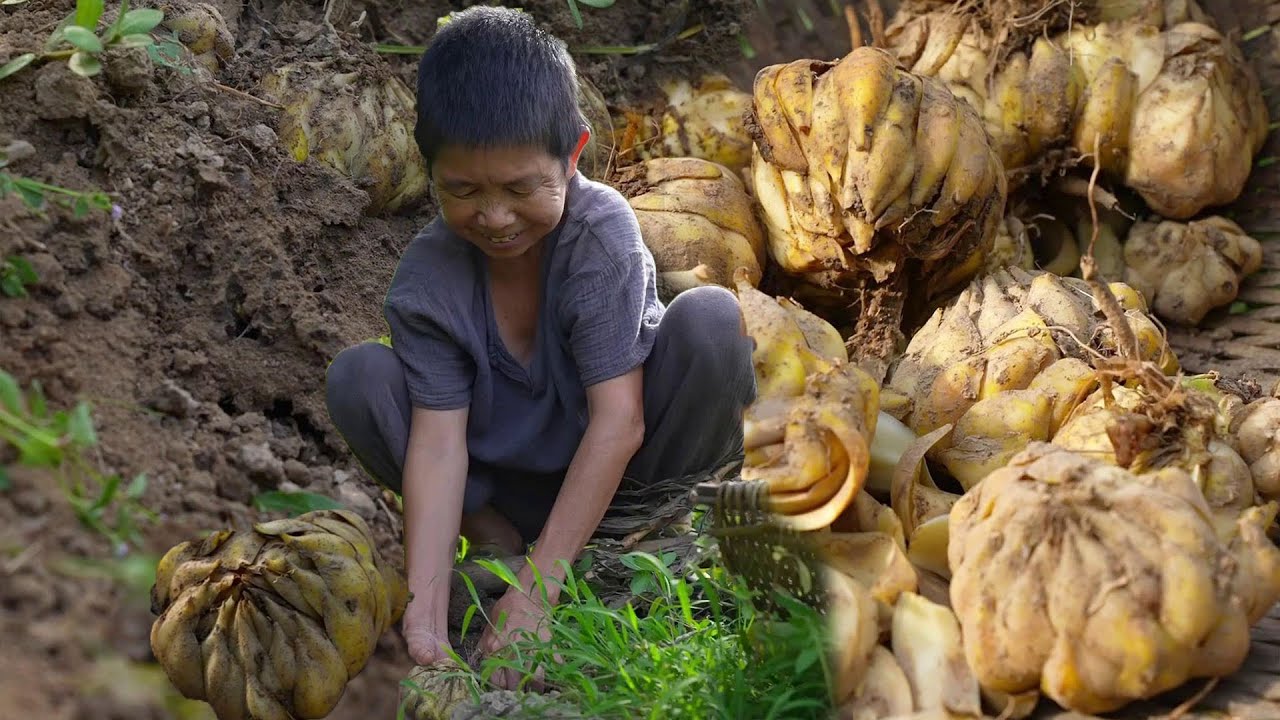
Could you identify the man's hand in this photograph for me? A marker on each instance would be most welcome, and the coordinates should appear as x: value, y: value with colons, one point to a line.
x: 523, y: 615
x: 426, y: 646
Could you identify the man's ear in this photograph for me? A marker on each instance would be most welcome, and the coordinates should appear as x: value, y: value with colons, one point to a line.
x: 577, y: 152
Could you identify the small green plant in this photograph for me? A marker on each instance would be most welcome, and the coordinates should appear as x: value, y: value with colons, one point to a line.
x: 577, y: 15
x: 294, y: 503
x: 692, y: 646
x: 77, y: 41
x: 15, y: 275
x: 58, y: 440
x: 37, y: 194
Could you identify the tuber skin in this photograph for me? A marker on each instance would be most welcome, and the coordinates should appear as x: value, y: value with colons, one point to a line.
x: 1096, y: 585
x: 1187, y: 269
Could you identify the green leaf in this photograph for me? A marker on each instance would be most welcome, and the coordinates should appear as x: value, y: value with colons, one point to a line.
x: 1238, y: 307
x: 168, y: 54
x: 16, y: 64
x: 84, y: 64
x: 137, y: 22
x: 601, y: 4
x: 805, y: 659
x: 136, y: 40
x: 37, y: 453
x: 5, y: 482
x: 12, y: 287
x: 113, y: 32
x: 80, y: 207
x: 10, y: 393
x: 83, y: 39
x: 25, y: 272
x: 88, y: 12
x: 80, y: 426
x: 33, y: 197
x: 36, y: 400
x: 499, y: 568
x: 294, y: 503
x: 137, y: 486
x: 109, y: 489
x: 577, y: 16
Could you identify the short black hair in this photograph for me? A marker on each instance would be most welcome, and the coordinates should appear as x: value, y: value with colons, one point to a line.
x: 491, y: 77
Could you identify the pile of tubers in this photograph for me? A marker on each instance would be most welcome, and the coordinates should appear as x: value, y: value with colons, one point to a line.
x: 976, y: 235
x: 271, y: 623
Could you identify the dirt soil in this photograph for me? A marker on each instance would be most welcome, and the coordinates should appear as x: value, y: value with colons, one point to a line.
x: 199, y: 317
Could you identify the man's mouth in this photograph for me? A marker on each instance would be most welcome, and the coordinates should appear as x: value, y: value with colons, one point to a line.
x: 504, y: 239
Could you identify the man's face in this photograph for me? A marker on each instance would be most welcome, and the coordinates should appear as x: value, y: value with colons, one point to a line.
x: 502, y: 200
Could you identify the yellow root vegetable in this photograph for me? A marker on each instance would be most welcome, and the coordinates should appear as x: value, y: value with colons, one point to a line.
x: 360, y: 123
x: 1096, y: 585
x: 1010, y: 331
x: 705, y: 119
x: 852, y: 621
x: 696, y: 218
x: 1158, y: 100
x: 870, y: 180
x: 201, y: 28
x: 275, y: 621
x: 809, y: 433
x: 1184, y: 270
x: 436, y: 690
x: 1255, y: 434
x: 858, y: 154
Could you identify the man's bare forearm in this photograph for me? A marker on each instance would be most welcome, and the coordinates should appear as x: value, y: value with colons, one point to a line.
x: 434, y: 483
x: 589, y: 486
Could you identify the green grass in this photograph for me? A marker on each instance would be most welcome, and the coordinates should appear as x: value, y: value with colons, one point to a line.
x: 692, y: 646
x: 61, y: 440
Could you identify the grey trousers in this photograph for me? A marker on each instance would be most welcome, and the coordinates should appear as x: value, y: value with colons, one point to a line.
x: 697, y: 381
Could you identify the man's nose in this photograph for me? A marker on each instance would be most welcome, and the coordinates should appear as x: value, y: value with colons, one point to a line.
x: 496, y: 216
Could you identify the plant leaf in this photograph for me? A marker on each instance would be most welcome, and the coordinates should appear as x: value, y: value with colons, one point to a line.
x: 142, y: 20
x: 83, y: 38
x: 5, y: 482
x: 601, y: 4
x: 294, y: 503
x: 136, y: 40
x: 499, y: 568
x: 33, y: 197
x: 10, y: 393
x: 577, y: 16
x: 80, y: 426
x: 84, y: 64
x: 113, y: 32
x: 16, y: 64
x: 88, y: 12
x: 25, y: 272
x: 12, y: 287
x: 35, y: 452
x: 137, y: 486
x: 36, y: 400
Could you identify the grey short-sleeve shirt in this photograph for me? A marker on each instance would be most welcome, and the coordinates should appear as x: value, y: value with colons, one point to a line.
x: 599, y: 314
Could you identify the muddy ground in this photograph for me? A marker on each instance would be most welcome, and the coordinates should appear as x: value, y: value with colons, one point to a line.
x: 198, y: 319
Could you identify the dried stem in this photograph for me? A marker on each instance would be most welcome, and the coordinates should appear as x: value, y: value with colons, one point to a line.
x: 855, y: 30
x: 875, y: 18
x: 1126, y: 341
x: 246, y: 96
x: 1192, y: 701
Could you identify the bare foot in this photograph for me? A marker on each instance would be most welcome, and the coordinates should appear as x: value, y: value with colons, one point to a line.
x: 488, y: 527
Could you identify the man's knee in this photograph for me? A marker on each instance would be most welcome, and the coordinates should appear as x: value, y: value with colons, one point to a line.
x: 353, y: 372
x: 708, y: 319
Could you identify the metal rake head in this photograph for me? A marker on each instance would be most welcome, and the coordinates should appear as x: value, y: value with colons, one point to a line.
x: 767, y: 556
